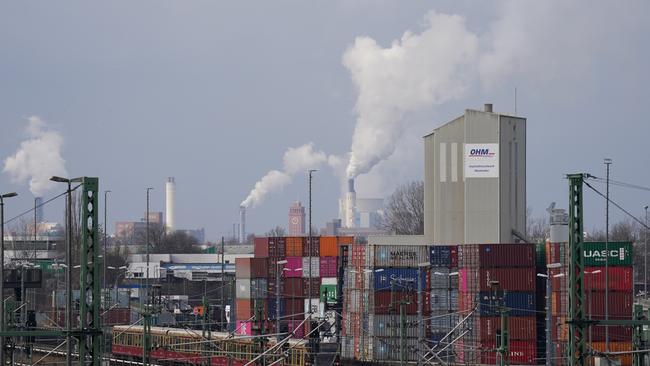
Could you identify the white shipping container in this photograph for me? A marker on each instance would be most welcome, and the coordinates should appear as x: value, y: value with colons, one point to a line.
x: 315, y: 308
x: 328, y: 281
x: 243, y: 288
x: 400, y: 255
x: 315, y: 267
x: 390, y: 349
x: 391, y: 326
x: 443, y: 322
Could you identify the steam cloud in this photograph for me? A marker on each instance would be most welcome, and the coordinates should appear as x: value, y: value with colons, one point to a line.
x: 417, y: 70
x: 295, y: 160
x: 38, y: 158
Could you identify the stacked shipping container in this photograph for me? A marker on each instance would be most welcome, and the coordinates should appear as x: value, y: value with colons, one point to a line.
x: 620, y: 294
x: 301, y: 279
x: 481, y: 266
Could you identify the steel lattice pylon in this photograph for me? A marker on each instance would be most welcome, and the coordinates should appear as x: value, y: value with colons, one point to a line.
x: 577, y: 348
x: 90, y: 334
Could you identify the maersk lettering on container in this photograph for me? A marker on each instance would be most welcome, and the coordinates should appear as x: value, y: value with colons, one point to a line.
x: 595, y: 254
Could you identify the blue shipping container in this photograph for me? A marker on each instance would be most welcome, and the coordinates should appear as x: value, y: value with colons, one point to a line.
x: 401, y: 279
x: 518, y: 304
x: 273, y: 307
x: 440, y: 256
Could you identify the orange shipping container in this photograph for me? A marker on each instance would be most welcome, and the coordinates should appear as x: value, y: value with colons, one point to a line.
x: 626, y: 360
x: 294, y: 246
x: 328, y: 247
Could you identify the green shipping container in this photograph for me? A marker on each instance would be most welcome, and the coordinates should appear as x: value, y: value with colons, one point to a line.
x: 620, y: 254
x: 328, y: 293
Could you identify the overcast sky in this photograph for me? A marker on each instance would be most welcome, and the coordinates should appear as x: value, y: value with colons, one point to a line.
x: 213, y: 93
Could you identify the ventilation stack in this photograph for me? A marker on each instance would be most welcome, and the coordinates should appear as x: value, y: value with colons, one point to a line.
x: 170, y: 193
x: 350, y: 204
x: 38, y: 206
x: 242, y: 224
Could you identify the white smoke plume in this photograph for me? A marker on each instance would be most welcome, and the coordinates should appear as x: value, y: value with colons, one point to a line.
x: 416, y: 71
x: 38, y: 158
x: 295, y: 160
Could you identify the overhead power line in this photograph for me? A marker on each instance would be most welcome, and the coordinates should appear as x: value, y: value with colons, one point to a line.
x: 37, y: 206
x: 617, y: 205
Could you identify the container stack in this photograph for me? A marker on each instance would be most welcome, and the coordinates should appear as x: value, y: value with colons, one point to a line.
x: 444, y: 293
x: 251, y: 289
x: 619, y: 298
x: 492, y: 276
x: 301, y: 279
x: 355, y: 296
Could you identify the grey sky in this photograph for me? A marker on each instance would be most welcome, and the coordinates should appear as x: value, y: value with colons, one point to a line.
x: 213, y: 93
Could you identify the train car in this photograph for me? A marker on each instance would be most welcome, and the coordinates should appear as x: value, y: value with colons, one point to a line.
x: 175, y: 346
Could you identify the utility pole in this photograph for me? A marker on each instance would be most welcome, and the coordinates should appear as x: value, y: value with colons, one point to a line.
x: 608, y: 162
x: 278, y: 275
x: 420, y: 308
x: 147, y: 314
x: 105, y: 243
x: 645, y: 256
x: 206, y: 319
x: 402, y: 331
x: 576, y: 343
x: 2, y: 270
x: 223, y: 285
x: 310, y: 246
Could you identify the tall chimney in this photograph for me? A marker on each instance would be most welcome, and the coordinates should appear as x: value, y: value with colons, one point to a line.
x: 487, y: 107
x: 170, y: 193
x: 40, y: 212
x: 242, y: 224
x: 350, y: 205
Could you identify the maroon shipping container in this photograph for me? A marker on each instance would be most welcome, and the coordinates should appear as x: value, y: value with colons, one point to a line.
x: 521, y: 352
x: 620, y: 304
x: 467, y: 301
x: 294, y: 308
x: 315, y: 287
x: 315, y: 247
x: 295, y: 327
x: 277, y: 248
x: 328, y: 266
x: 261, y: 247
x: 496, y: 255
x: 116, y: 316
x: 259, y: 267
x: 519, y: 327
x: 292, y: 287
x: 620, y: 278
x: 453, y: 256
x: 384, y: 302
x: 510, y: 279
x: 616, y: 334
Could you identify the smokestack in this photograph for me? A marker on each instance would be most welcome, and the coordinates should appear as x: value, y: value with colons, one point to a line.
x: 350, y: 205
x: 40, y: 213
x: 242, y: 224
x: 487, y: 107
x: 170, y: 193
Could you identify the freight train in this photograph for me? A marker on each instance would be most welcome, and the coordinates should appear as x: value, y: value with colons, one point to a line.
x: 174, y: 346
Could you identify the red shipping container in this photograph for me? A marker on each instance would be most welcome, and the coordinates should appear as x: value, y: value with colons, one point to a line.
x: 466, y: 301
x: 242, y: 267
x: 294, y: 246
x: 384, y: 305
x: 519, y: 327
x: 510, y: 279
x: 328, y: 246
x: 292, y: 287
x: 315, y: 247
x: 620, y: 278
x: 453, y: 256
x: 521, y: 352
x: 620, y: 304
x: 616, y: 334
x: 328, y: 266
x: 293, y: 267
x: 315, y: 287
x: 244, y: 308
x: 261, y: 247
x: 259, y: 267
x: 116, y: 316
x: 506, y: 255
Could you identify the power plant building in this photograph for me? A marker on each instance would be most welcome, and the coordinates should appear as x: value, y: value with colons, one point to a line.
x: 475, y: 179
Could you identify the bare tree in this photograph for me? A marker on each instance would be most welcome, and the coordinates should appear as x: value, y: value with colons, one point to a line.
x: 404, y: 214
x: 537, y: 228
x: 176, y: 242
x: 276, y: 232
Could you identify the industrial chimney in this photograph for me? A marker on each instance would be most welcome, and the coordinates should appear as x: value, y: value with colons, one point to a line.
x: 350, y: 204
x: 242, y: 224
x: 170, y: 193
x: 38, y: 206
